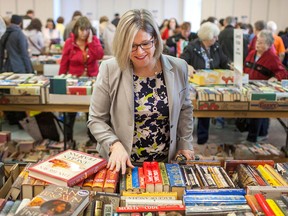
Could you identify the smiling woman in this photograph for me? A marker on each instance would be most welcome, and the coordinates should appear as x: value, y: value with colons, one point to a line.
x: 151, y: 92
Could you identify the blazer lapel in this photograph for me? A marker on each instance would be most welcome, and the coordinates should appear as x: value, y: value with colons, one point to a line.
x: 169, y: 80
x: 128, y: 86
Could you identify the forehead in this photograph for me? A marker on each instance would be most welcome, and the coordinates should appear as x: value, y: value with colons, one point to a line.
x: 141, y: 36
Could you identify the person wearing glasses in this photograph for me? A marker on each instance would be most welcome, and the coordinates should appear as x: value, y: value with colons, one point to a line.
x: 140, y: 108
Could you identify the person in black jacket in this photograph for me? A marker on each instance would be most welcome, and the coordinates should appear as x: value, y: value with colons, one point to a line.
x: 205, y: 53
x: 15, y: 43
x: 179, y: 41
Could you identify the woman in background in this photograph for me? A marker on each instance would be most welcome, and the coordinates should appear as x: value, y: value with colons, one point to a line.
x: 51, y: 34
x: 80, y: 57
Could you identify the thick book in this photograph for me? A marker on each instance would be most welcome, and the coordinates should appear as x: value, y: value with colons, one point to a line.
x: 67, y: 168
x: 57, y: 200
x: 177, y: 208
x: 176, y: 179
x: 234, y: 191
x: 264, y: 205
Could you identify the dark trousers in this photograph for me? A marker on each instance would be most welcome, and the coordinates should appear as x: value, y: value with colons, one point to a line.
x: 203, y: 130
x: 257, y: 127
x: 70, y: 121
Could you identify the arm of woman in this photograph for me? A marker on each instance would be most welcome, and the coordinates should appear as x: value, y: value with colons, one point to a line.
x: 95, y: 50
x: 64, y: 64
x: 100, y: 125
x: 185, y: 122
x: 279, y: 69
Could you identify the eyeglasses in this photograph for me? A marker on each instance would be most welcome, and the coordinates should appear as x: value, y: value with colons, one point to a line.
x: 145, y: 46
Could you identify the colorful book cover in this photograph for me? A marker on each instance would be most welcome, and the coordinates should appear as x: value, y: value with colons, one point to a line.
x: 111, y: 181
x: 157, y: 176
x: 148, y: 174
x: 67, y: 168
x: 164, y: 176
x: 99, y: 179
x: 57, y: 200
x: 135, y: 179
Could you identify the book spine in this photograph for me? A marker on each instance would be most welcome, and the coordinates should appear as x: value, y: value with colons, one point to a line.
x: 215, y: 177
x: 200, y: 173
x: 264, y: 205
x: 185, y: 177
x: 129, y: 186
x: 141, y: 179
x: 88, y: 182
x: 216, y: 191
x: 258, y: 178
x: 174, y: 175
x: 156, y: 176
x: 151, y: 208
x: 277, y: 211
x: 276, y: 175
x: 270, y: 179
x: 111, y: 180
x: 149, y: 194
x: 221, y: 178
x: 149, y: 181
x: 210, y: 197
x: 208, y: 177
x: 98, y: 181
x: 135, y: 179
x: 284, y: 198
x: 227, y: 178
x: 282, y: 206
x: 192, y: 173
x: 164, y: 177
x: 122, y: 184
x: 254, y: 205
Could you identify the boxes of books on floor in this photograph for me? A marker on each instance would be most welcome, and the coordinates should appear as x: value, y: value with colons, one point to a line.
x: 258, y: 151
x: 212, y: 152
x: 65, y: 89
x: 217, y: 76
x: 22, y: 89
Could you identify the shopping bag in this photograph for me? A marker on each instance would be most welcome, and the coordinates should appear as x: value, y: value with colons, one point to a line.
x: 30, y: 125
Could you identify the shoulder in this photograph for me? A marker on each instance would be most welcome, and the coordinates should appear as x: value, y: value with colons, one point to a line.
x: 110, y: 66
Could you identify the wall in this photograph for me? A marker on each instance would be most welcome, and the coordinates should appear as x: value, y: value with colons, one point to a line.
x: 266, y: 10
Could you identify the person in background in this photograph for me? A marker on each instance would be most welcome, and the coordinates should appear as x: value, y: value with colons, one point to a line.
x: 69, y: 27
x: 278, y: 42
x: 258, y: 26
x: 107, y: 32
x: 2, y: 26
x: 171, y: 29
x: 163, y: 25
x: 151, y: 92
x: 285, y: 41
x: 50, y: 33
x: 35, y: 37
x: 116, y: 19
x: 263, y: 64
x: 80, y: 57
x: 179, y: 41
x: 205, y: 53
x: 15, y: 43
x: 29, y: 15
x: 60, y: 27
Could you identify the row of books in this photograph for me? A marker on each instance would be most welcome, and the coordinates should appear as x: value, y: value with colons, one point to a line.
x: 252, y: 91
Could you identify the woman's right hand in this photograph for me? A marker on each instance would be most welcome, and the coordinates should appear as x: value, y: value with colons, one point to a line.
x: 119, y: 158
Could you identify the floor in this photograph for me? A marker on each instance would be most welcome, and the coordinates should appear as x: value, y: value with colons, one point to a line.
x: 227, y: 135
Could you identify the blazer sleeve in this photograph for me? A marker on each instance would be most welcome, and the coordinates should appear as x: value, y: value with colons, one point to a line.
x: 99, y: 111
x: 185, y: 123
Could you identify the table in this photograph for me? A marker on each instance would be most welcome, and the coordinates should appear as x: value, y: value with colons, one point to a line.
x: 197, y: 113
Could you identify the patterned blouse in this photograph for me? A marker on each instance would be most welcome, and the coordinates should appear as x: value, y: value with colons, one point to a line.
x: 151, y: 131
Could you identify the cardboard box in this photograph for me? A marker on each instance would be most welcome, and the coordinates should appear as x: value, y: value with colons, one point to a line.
x: 268, y: 105
x: 12, y: 172
x: 219, y: 105
x: 21, y: 99
x: 68, y: 99
x: 268, y: 191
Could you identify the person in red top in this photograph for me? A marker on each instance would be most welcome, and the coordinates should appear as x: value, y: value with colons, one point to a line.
x: 81, y: 51
x: 263, y: 64
x: 80, y: 58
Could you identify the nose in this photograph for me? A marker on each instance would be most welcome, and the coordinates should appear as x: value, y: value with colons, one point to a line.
x: 139, y: 50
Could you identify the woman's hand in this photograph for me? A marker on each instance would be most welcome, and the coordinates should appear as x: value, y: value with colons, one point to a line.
x: 189, y: 154
x: 90, y: 36
x: 272, y: 79
x: 119, y: 158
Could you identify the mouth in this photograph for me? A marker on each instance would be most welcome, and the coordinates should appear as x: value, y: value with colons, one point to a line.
x: 140, y: 57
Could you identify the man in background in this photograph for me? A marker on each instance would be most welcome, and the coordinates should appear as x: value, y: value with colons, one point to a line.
x: 116, y: 19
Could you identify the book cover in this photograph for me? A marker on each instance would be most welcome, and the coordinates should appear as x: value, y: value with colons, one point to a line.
x: 109, y: 198
x: 277, y: 211
x: 142, y: 179
x: 148, y: 175
x: 164, y: 176
x: 99, y: 179
x: 57, y: 200
x: 129, y: 186
x: 264, y: 205
x: 135, y: 179
x: 176, y: 179
x: 151, y: 209
x: 157, y: 176
x: 254, y: 205
x: 111, y: 181
x: 67, y: 168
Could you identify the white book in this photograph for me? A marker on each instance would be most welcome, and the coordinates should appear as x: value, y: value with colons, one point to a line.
x: 151, y: 202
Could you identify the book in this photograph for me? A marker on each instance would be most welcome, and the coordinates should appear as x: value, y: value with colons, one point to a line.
x: 151, y: 202
x: 214, y: 210
x: 158, y: 186
x: 38, y: 187
x: 14, y: 208
x: 164, y: 176
x: 129, y: 185
x: 175, y: 178
x: 151, y: 209
x: 135, y: 179
x: 88, y: 183
x: 148, y: 175
x: 212, y: 200
x: 67, y: 168
x: 111, y: 181
x: 99, y: 179
x: 142, y: 185
x: 27, y: 187
x: 8, y: 205
x: 165, y: 195
x: 236, y: 191
x: 254, y: 205
x: 264, y: 205
x: 109, y: 198
x: 23, y: 203
x: 277, y: 211
x: 282, y: 206
x: 57, y: 200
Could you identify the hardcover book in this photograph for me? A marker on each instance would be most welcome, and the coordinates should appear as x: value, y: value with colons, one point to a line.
x: 57, y: 200
x: 67, y: 168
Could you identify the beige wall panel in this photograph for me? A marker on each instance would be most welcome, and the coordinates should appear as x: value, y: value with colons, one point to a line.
x: 224, y: 8
x: 155, y: 6
x: 44, y: 10
x: 68, y: 7
x: 259, y: 10
x: 278, y: 13
x: 90, y: 9
x: 107, y: 8
x: 23, y: 6
x: 139, y: 4
x: 242, y: 8
x: 121, y: 6
x: 7, y: 8
x: 208, y: 8
x: 173, y: 8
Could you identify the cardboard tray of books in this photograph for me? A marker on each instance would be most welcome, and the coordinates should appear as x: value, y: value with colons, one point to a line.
x: 221, y: 105
x: 264, y: 105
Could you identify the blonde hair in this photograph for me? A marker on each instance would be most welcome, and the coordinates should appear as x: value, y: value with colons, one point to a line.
x: 208, y: 31
x: 130, y: 23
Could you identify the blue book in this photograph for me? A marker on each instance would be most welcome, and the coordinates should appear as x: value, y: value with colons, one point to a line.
x: 216, y: 191
x: 175, y: 175
x: 210, y: 197
x: 135, y: 178
x: 214, y: 203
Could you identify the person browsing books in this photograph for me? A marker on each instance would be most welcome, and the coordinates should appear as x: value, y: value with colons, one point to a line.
x: 263, y: 64
x: 80, y: 57
x: 140, y: 108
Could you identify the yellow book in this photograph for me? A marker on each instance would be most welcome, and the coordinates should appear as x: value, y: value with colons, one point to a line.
x: 267, y: 176
x: 280, y: 179
x: 274, y: 207
x: 164, y: 176
x: 129, y: 186
x: 151, y: 194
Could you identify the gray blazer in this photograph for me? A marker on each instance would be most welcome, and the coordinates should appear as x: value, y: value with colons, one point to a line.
x: 111, y: 114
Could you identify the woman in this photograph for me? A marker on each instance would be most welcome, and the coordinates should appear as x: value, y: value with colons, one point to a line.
x: 263, y: 64
x: 205, y: 53
x: 171, y: 29
x: 35, y: 37
x: 80, y: 57
x: 51, y: 34
x: 140, y: 107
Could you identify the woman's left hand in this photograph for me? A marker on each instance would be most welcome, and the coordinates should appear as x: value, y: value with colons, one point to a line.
x: 189, y: 154
x: 90, y: 37
x: 272, y: 79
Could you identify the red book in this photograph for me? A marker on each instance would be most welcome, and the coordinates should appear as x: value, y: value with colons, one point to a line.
x: 111, y: 181
x: 148, y: 174
x: 264, y: 205
x: 131, y: 209
x: 157, y: 177
x: 67, y: 168
x: 141, y: 178
x: 254, y: 205
x: 99, y: 180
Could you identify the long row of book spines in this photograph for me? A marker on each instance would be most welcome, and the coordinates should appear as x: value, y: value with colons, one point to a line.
x: 12, y: 207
